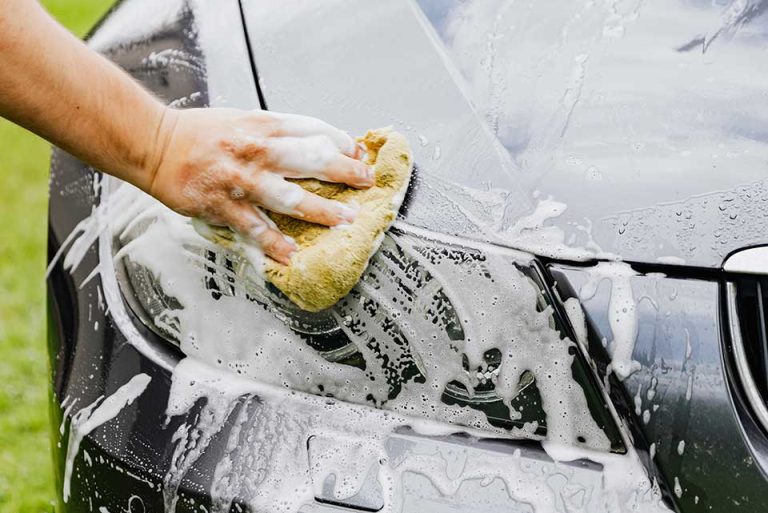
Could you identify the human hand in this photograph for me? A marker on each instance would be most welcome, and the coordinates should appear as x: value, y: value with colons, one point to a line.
x: 224, y: 166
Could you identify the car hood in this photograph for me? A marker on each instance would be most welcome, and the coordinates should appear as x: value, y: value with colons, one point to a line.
x: 578, y: 130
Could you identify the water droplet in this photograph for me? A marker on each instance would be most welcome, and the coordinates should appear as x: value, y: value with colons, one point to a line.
x: 593, y: 174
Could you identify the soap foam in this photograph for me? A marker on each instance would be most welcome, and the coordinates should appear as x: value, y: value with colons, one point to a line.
x: 428, y: 303
x: 94, y: 415
x: 622, y: 311
x: 265, y: 458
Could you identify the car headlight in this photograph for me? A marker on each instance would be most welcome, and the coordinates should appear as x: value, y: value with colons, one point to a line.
x: 437, y: 327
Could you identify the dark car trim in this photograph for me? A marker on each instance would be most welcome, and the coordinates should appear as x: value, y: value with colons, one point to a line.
x: 748, y: 385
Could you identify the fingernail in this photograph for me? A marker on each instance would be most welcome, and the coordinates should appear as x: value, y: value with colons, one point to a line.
x: 368, y: 175
x: 287, y: 258
x: 347, y: 214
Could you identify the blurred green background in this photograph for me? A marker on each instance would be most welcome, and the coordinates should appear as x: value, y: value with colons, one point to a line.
x: 26, y: 476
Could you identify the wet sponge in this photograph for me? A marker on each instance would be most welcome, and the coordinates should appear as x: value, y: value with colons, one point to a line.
x: 330, y: 261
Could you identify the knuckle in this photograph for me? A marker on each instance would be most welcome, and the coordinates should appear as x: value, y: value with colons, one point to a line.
x: 255, y: 227
x: 358, y: 168
x: 236, y: 192
x: 226, y: 144
x: 249, y: 148
x: 236, y: 185
x: 271, y: 240
x: 266, y: 123
x: 255, y: 150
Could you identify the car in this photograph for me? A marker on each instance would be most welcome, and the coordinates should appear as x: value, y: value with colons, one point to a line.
x: 569, y: 313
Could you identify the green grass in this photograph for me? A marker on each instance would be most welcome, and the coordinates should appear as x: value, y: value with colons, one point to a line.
x: 26, y: 476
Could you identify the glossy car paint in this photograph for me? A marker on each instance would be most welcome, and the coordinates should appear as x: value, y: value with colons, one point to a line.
x: 683, y: 384
x: 97, y: 344
x: 642, y: 117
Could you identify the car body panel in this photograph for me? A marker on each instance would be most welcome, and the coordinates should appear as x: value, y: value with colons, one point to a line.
x: 644, y: 119
x: 197, y: 55
x: 680, y: 400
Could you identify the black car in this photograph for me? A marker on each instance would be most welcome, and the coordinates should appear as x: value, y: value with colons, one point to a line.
x: 569, y: 314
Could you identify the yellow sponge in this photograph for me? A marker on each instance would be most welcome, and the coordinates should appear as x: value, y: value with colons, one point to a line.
x: 330, y: 261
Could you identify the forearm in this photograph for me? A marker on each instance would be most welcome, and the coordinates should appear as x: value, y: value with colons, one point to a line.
x: 53, y: 85
x: 219, y: 165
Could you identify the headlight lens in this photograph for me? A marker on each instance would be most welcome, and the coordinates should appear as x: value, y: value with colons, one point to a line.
x: 435, y: 328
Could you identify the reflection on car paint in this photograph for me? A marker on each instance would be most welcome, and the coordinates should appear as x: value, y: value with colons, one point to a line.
x: 642, y: 116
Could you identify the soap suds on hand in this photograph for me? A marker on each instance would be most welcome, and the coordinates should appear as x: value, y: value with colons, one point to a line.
x: 330, y: 261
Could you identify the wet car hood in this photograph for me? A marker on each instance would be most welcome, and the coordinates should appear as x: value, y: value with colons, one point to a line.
x: 574, y: 130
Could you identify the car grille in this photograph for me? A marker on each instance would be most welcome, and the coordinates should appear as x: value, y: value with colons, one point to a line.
x: 751, y: 317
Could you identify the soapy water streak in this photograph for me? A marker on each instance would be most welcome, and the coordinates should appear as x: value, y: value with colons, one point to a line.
x: 424, y: 316
x: 267, y: 450
x: 421, y: 309
x: 622, y: 311
x: 94, y: 415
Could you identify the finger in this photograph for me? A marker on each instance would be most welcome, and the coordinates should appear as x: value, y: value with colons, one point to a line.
x: 278, y: 195
x: 317, y: 157
x: 317, y: 209
x: 295, y: 125
x: 350, y: 171
x: 274, y: 193
x: 255, y: 226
